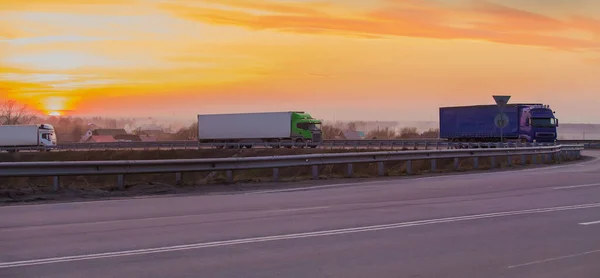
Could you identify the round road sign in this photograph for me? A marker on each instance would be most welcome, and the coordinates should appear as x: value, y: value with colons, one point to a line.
x: 501, y: 120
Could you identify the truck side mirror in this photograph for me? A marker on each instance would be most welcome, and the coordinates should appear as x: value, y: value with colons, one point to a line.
x: 556, y: 122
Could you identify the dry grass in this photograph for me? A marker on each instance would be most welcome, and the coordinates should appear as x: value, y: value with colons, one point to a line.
x: 98, y: 186
x: 155, y: 154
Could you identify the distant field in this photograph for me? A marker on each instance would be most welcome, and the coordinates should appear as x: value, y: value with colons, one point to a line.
x: 578, y: 136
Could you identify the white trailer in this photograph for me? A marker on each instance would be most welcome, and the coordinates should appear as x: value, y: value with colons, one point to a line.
x: 245, y: 126
x: 23, y: 136
x: 271, y: 127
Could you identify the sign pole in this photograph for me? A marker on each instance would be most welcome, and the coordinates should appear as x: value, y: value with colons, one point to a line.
x: 501, y: 119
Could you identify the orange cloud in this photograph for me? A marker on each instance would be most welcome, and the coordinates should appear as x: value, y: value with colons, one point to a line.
x: 584, y: 23
x: 39, y: 5
x: 506, y: 19
x: 481, y: 21
x: 287, y: 8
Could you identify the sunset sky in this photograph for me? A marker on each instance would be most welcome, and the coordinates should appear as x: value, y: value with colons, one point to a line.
x: 342, y: 59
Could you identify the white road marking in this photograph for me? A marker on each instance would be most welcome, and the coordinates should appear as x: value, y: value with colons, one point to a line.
x: 290, y: 236
x: 315, y: 187
x: 589, y: 223
x: 576, y: 186
x: 556, y: 258
x: 296, y: 209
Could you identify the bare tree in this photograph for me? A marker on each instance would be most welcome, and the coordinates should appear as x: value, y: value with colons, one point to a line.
x: 330, y: 132
x: 189, y: 133
x: 432, y: 133
x: 385, y: 133
x: 409, y: 133
x: 13, y: 114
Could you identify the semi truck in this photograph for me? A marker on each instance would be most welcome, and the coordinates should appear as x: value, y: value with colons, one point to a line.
x: 244, y: 129
x: 479, y: 123
x: 27, y: 136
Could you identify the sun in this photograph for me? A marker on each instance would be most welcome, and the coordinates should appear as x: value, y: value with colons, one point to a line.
x: 54, y: 113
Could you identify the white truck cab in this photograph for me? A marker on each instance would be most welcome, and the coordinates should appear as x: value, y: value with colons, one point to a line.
x: 47, y: 135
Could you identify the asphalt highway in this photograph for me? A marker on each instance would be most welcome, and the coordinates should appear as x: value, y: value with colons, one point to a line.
x: 530, y: 223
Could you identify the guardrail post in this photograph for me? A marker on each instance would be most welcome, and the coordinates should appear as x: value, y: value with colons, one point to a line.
x: 493, y: 162
x: 381, y: 168
x: 534, y: 159
x: 275, y: 174
x: 315, y: 172
x: 523, y: 159
x: 509, y: 161
x: 433, y: 165
x: 409, y: 167
x: 456, y: 163
x: 229, y: 176
x: 55, y: 183
x: 178, y: 178
x: 121, y: 181
x: 475, y: 163
x: 350, y: 170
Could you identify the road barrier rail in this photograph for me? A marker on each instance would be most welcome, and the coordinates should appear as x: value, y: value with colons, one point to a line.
x: 179, y: 166
x: 329, y: 144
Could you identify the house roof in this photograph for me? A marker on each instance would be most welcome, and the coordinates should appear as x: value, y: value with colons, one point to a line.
x: 101, y: 138
x: 109, y: 131
x: 353, y: 135
x: 128, y: 137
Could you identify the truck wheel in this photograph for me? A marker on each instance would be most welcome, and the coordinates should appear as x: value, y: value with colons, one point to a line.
x: 299, y: 143
x: 272, y: 143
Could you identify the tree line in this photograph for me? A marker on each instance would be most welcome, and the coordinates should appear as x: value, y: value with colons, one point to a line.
x: 71, y: 129
x: 331, y: 132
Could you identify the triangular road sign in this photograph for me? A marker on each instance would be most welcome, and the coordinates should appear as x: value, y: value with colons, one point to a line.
x: 501, y: 100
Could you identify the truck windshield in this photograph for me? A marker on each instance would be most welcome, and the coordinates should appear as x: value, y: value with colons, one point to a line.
x: 309, y: 126
x: 543, y: 122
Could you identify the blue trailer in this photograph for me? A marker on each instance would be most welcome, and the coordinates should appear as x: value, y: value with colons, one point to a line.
x: 526, y: 123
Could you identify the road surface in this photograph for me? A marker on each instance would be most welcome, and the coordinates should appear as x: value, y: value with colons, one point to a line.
x: 531, y: 223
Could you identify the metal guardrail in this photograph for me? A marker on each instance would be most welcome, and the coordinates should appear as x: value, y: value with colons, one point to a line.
x: 329, y: 144
x: 195, y: 144
x: 179, y: 166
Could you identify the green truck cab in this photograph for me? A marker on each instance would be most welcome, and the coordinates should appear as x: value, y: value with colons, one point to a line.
x: 306, y: 128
